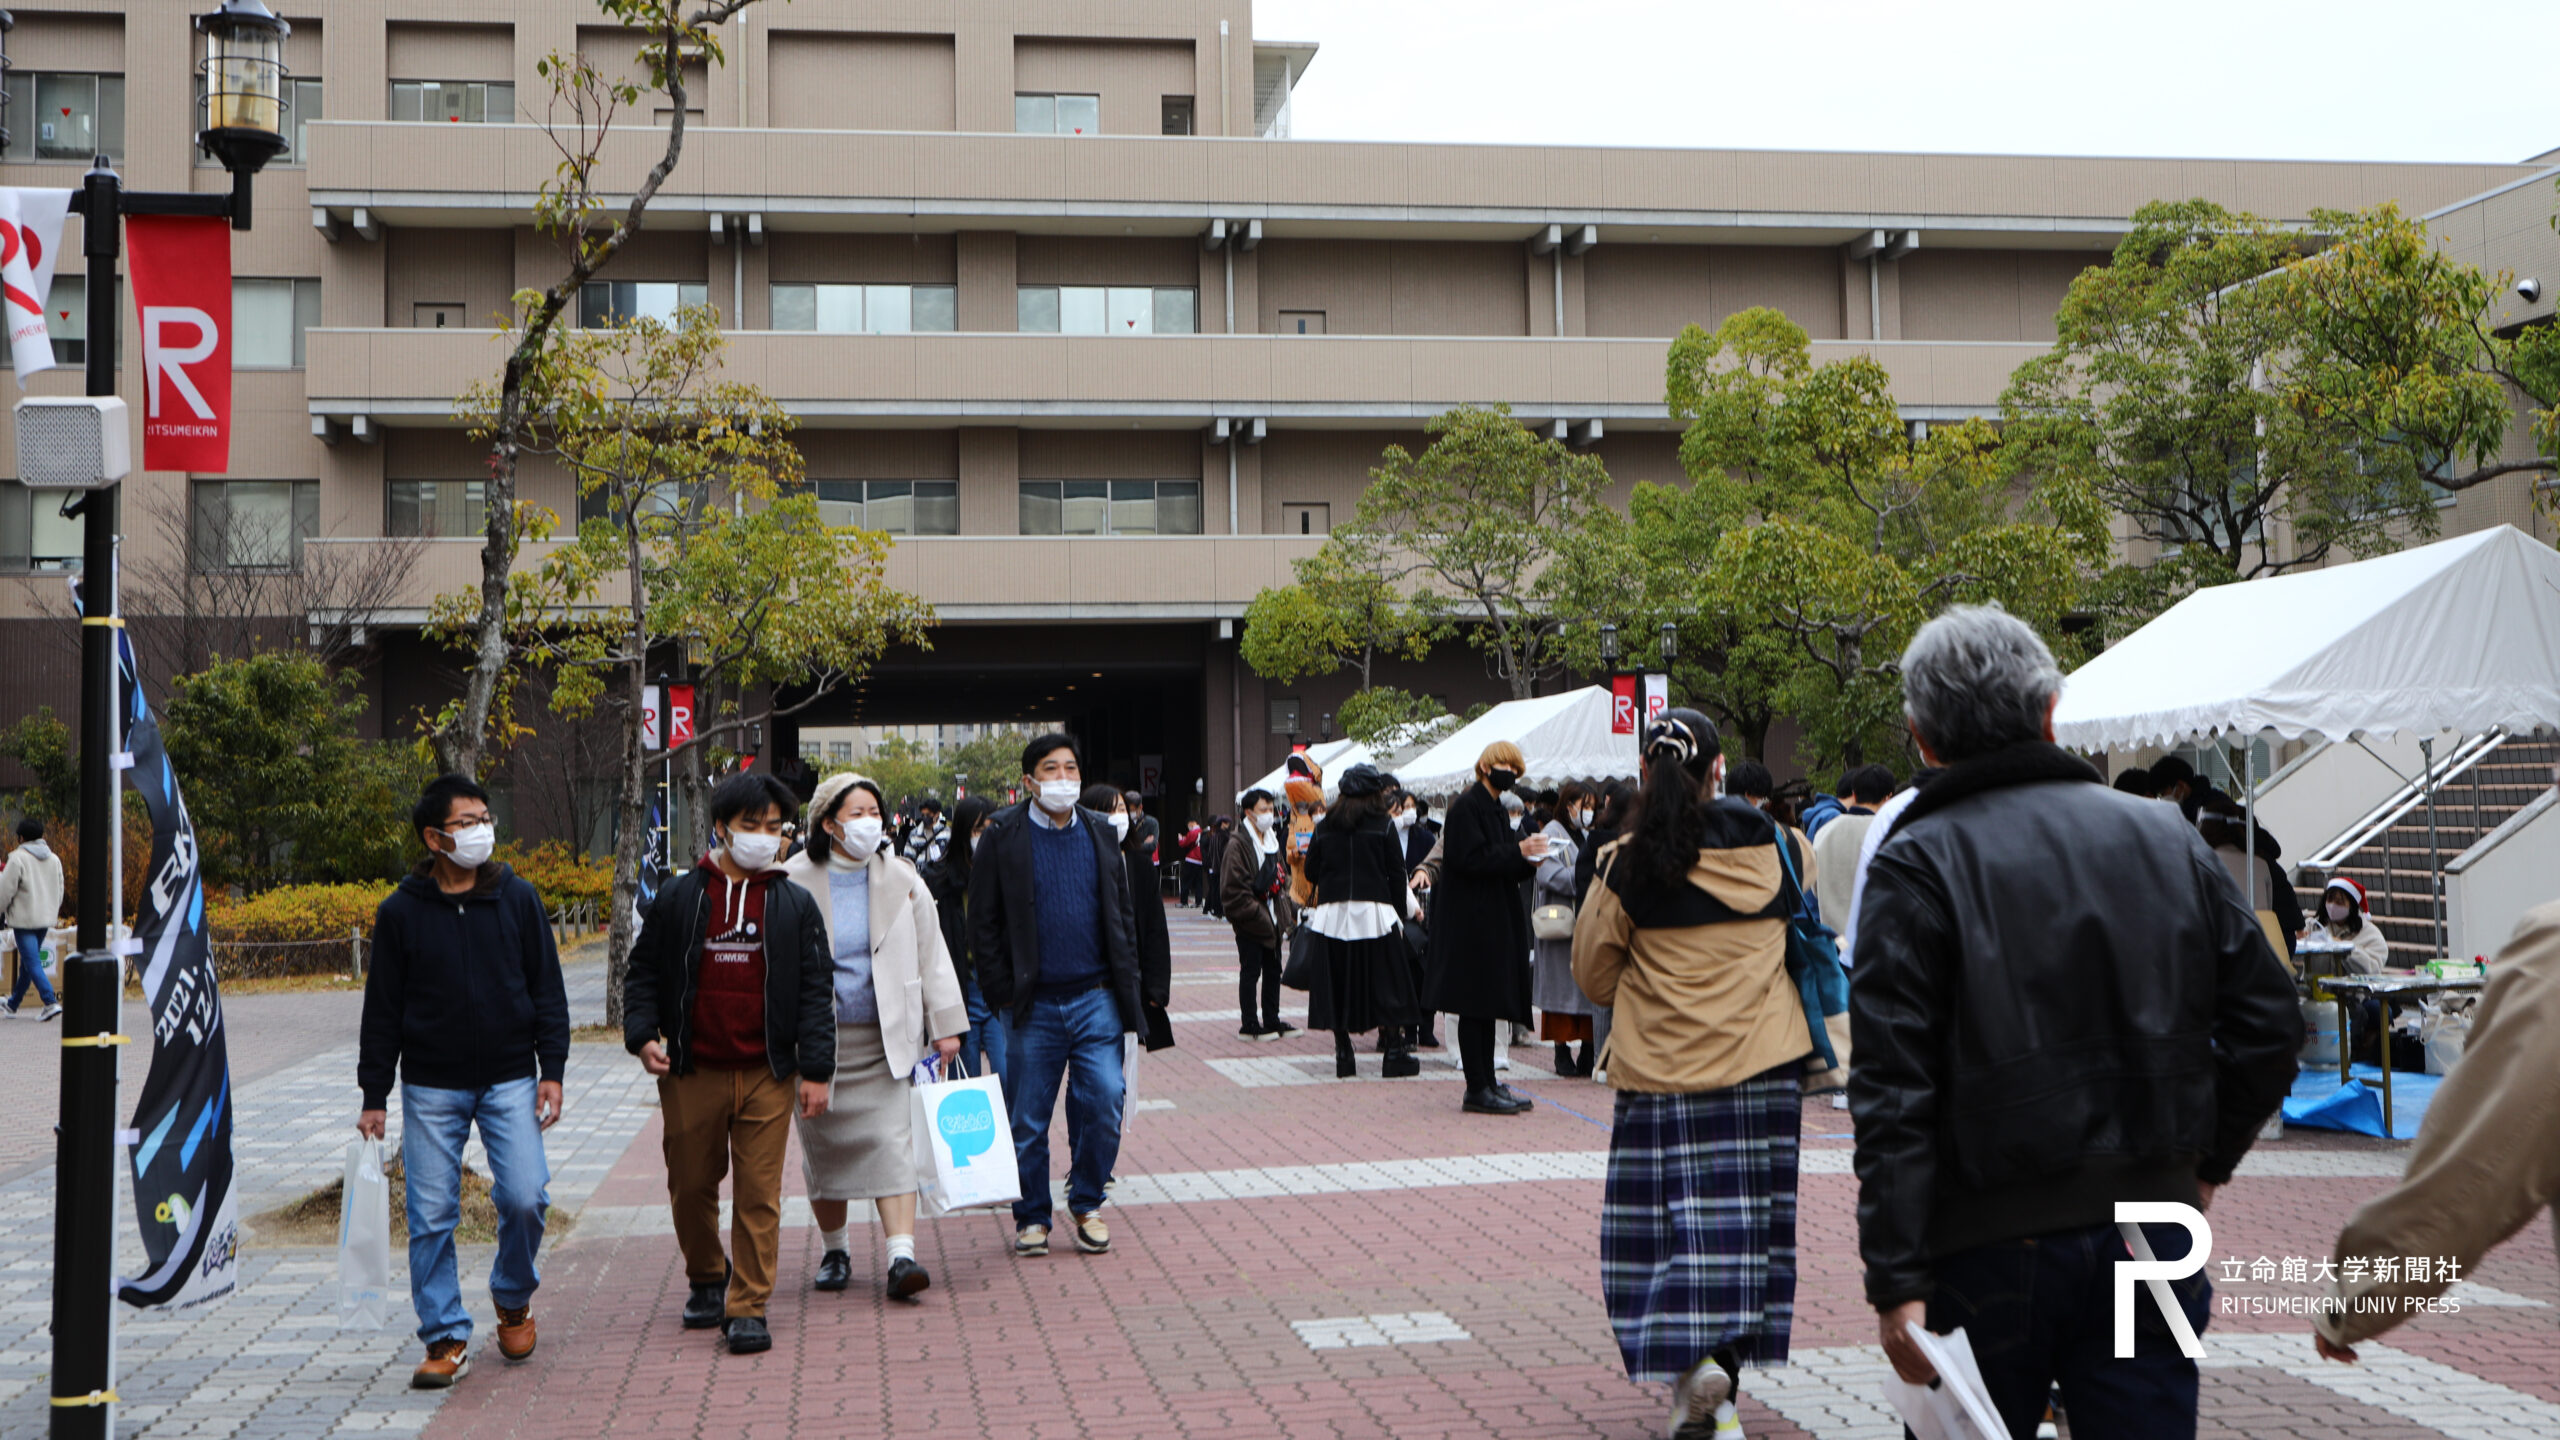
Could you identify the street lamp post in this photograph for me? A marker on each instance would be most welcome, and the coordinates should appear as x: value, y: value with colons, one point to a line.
x: 1670, y: 644
x: 244, y: 116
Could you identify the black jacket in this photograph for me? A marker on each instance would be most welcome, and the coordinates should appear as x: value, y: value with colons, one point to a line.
x: 1417, y: 845
x: 2061, y: 1002
x: 1004, y: 930
x: 464, y: 990
x: 799, y: 977
x: 1361, y: 862
x: 950, y: 886
x: 1478, y: 954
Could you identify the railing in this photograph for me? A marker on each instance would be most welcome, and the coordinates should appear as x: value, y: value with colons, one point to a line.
x: 2409, y: 797
x: 575, y: 919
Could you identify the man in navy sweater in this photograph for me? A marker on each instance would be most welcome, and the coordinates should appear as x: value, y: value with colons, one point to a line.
x: 1054, y: 940
x: 464, y: 1001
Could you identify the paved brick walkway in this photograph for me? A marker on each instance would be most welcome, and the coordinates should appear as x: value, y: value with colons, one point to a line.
x: 1292, y: 1256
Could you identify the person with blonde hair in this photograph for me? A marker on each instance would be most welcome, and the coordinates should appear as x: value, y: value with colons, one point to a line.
x: 1477, y: 961
x: 895, y: 986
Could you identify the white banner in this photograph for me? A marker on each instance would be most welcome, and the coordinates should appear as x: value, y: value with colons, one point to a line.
x: 30, y: 241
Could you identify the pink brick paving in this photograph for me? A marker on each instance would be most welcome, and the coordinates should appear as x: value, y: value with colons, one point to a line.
x: 1183, y: 1330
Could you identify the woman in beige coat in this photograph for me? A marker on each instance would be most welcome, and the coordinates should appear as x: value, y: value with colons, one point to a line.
x: 895, y: 989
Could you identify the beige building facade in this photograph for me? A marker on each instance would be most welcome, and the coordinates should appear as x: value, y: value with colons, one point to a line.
x: 1055, y: 300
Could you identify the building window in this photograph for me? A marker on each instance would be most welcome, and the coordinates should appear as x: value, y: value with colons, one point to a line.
x: 34, y: 533
x: 66, y: 320
x: 65, y: 115
x: 454, y: 102
x: 866, y: 309
x: 433, y: 509
x: 268, y: 318
x: 1177, y: 114
x: 839, y: 752
x: 1110, y: 507
x: 604, y: 304
x: 1057, y: 114
x: 253, y: 524
x: 1111, y: 310
x: 305, y: 97
x: 898, y: 507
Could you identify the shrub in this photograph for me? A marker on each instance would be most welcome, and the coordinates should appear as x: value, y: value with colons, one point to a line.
x: 562, y: 874
x: 292, y: 929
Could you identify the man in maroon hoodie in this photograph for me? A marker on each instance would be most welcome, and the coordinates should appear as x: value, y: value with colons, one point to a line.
x: 729, y: 997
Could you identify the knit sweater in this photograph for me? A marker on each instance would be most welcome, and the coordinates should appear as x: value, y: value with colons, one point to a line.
x: 1067, y: 894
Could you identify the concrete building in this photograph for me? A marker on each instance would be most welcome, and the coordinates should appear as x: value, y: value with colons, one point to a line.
x: 1054, y: 298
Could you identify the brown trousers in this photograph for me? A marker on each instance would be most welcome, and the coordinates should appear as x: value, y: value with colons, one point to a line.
x: 712, y: 1116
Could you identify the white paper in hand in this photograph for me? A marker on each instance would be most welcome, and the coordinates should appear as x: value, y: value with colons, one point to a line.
x: 1958, y: 1407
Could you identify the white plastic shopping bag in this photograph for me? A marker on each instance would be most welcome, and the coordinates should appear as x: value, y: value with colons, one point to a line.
x: 1958, y: 1405
x: 964, y: 1145
x: 1130, y: 1050
x: 364, y: 1240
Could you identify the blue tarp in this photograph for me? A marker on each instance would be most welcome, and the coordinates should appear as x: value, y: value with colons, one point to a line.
x: 2319, y: 1102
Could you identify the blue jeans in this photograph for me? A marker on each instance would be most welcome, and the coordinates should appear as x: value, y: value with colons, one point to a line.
x: 986, y: 1033
x: 433, y: 1126
x: 1075, y: 1038
x: 2040, y: 1312
x: 31, y: 967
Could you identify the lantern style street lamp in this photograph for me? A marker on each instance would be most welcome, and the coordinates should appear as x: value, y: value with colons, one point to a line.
x: 243, y: 79
x: 1670, y: 643
x: 1609, y: 646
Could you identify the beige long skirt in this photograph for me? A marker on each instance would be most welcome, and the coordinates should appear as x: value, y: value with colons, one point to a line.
x: 863, y: 1147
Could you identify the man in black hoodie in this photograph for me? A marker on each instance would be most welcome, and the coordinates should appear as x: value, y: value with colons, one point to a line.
x: 464, y: 1001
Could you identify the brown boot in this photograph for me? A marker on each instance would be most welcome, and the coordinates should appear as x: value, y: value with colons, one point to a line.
x: 515, y: 1332
x: 446, y: 1362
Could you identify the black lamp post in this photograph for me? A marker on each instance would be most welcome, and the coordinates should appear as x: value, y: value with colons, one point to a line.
x: 1670, y: 644
x: 243, y: 81
x: 1609, y: 646
x: 1324, y: 735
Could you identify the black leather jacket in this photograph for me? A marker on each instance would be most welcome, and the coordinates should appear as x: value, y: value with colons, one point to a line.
x: 2061, y: 1001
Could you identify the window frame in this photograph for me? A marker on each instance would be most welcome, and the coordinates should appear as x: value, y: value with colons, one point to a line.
x: 1057, y: 111
x: 391, y: 102
x: 22, y: 511
x: 859, y: 494
x: 302, y: 502
x: 821, y: 292
x: 302, y: 300
x: 22, y: 111
x: 421, y: 506
x: 1056, y: 303
x: 688, y: 292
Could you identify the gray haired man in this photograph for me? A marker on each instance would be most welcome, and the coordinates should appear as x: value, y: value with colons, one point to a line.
x: 2062, y: 1003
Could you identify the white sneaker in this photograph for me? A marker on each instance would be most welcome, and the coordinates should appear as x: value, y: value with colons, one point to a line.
x: 1840, y: 1101
x: 1701, y: 1403
x: 49, y: 1012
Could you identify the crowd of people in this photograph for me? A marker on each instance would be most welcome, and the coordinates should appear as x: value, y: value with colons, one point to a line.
x: 2037, y: 994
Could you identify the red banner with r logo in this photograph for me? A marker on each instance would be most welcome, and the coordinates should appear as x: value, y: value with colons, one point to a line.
x: 181, y: 267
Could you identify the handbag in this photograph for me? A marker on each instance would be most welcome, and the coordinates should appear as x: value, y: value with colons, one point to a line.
x: 1813, y: 963
x: 1300, y: 971
x: 963, y: 1145
x: 1552, y: 922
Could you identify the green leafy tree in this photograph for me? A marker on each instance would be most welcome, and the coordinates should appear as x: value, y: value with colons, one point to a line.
x: 1343, y: 611
x: 1818, y: 531
x: 280, y: 786
x: 41, y: 744
x: 904, y: 769
x: 1384, y: 715
x: 1475, y: 526
x: 986, y: 765
x: 702, y: 539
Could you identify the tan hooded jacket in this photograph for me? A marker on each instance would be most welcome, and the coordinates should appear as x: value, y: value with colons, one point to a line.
x: 1697, y: 1007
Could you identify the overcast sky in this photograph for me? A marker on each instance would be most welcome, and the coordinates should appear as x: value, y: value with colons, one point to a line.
x: 2350, y: 79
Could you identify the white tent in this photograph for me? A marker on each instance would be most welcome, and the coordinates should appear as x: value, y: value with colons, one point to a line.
x: 1332, y: 756
x: 2462, y: 635
x: 1566, y: 737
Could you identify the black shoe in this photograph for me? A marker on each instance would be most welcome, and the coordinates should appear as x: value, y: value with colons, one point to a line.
x: 1515, y: 1097
x: 1281, y: 1030
x: 1493, y: 1101
x: 1564, y: 1060
x: 907, y: 1279
x: 1346, y: 1064
x: 747, y: 1335
x: 1400, y: 1064
x: 835, y: 1271
x: 1430, y: 1041
x: 705, y: 1305
x: 1251, y: 1032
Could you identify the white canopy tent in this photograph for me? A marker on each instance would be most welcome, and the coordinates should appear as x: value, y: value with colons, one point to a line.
x: 2461, y: 636
x: 1565, y: 737
x: 1332, y: 756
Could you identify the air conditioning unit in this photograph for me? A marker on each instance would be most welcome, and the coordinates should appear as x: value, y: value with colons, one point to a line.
x: 73, y: 442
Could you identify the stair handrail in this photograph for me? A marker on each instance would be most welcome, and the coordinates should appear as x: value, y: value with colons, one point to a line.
x: 2407, y: 798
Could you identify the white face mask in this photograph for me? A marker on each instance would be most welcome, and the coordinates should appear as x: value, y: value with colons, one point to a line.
x: 1262, y: 822
x: 862, y: 834
x: 1058, y: 797
x: 2338, y: 912
x: 1582, y: 818
x: 753, y: 852
x: 1120, y: 827
x: 1404, y: 819
x: 472, y: 845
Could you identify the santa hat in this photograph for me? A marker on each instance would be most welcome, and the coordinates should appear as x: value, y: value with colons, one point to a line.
x: 2354, y: 891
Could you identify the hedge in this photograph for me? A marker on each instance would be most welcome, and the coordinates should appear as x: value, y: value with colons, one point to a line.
x: 562, y: 875
x: 292, y: 929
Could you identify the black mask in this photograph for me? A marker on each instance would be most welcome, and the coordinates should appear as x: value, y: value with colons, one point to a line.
x: 1500, y: 780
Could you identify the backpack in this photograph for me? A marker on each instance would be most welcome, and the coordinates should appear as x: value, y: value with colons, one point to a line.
x: 1813, y: 961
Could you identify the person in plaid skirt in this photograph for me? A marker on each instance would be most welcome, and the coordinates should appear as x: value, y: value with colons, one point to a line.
x: 1684, y: 933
